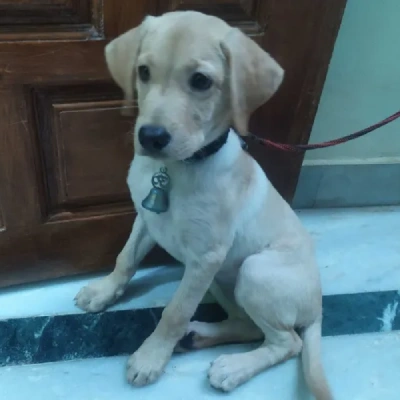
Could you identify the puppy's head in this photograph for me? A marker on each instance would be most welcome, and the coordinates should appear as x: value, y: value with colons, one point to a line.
x: 195, y: 76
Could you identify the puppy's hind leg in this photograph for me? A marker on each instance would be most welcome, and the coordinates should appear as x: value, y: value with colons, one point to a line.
x: 229, y: 371
x: 202, y: 335
x: 270, y: 292
x: 237, y: 328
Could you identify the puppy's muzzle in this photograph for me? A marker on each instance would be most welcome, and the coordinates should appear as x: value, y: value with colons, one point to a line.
x: 154, y: 138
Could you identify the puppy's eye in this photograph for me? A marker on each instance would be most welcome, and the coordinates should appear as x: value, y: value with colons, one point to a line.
x: 144, y: 73
x: 200, y: 82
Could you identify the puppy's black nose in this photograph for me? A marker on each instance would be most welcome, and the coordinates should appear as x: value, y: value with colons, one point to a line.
x: 153, y: 137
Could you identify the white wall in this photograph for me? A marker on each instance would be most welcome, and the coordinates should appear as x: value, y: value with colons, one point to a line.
x: 362, y: 86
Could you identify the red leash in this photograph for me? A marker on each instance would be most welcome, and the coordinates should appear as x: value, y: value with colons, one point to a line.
x: 304, y: 147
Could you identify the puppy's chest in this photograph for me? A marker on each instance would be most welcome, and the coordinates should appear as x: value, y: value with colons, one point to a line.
x: 178, y: 226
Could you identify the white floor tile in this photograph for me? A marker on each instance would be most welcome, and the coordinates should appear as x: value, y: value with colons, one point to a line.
x: 358, y: 250
x: 152, y: 287
x: 359, y: 367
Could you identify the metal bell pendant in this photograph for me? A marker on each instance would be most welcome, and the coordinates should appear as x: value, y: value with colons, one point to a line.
x: 157, y: 200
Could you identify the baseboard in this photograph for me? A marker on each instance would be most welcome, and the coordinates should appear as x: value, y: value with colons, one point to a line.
x: 348, y: 185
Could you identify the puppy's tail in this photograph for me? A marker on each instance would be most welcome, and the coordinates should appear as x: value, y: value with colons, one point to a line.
x: 312, y: 365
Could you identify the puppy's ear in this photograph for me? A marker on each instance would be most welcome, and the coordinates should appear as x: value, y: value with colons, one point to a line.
x: 121, y: 56
x: 254, y: 77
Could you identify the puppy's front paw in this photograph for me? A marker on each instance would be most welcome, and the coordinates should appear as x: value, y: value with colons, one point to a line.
x: 99, y: 294
x: 145, y: 367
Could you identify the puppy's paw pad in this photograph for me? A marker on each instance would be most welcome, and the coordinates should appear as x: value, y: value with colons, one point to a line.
x: 228, y: 372
x: 199, y: 336
x: 186, y: 343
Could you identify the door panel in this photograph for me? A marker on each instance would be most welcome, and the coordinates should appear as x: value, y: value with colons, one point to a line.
x: 76, y: 162
x: 50, y: 19
x: 65, y: 148
x: 248, y: 15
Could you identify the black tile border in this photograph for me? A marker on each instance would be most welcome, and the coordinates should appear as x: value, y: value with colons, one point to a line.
x: 348, y: 314
x: 36, y: 340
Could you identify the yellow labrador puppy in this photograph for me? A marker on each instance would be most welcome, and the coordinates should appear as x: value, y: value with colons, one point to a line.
x: 202, y: 198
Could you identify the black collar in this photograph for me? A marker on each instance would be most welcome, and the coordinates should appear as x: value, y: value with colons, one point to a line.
x: 209, y: 149
x: 213, y: 148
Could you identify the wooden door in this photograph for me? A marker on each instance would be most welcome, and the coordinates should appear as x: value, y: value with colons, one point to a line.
x: 64, y: 147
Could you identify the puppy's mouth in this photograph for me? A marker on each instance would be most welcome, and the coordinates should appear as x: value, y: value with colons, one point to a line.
x: 174, y: 152
x: 167, y: 154
x: 157, y: 155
